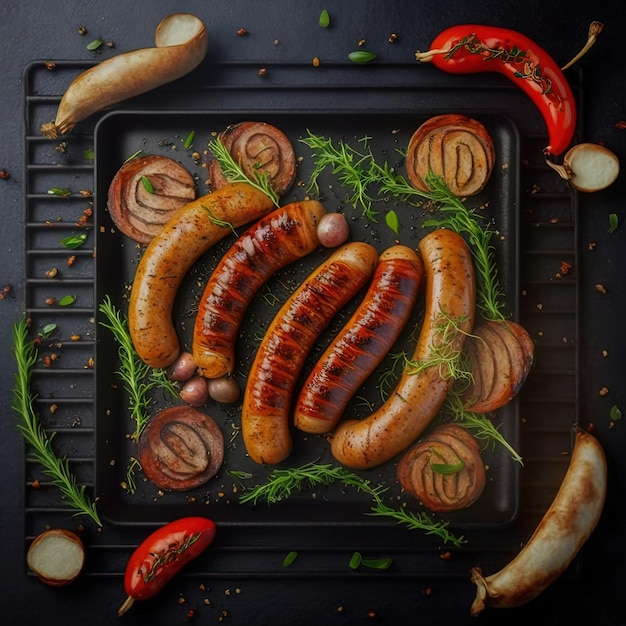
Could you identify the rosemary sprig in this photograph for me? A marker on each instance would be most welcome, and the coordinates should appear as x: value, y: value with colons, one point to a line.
x: 139, y: 379
x: 133, y: 371
x: 281, y: 483
x: 29, y: 425
x: 352, y: 168
x: 453, y: 214
x: 234, y: 173
x: 482, y: 426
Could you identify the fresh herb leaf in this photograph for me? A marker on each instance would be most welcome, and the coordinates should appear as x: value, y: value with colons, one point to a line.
x: 62, y: 192
x: 355, y: 560
x: 447, y: 469
x: 30, y: 426
x: 615, y: 413
x: 324, y: 20
x: 379, y: 564
x: 67, y: 300
x: 147, y: 185
x: 361, y: 56
x: 89, y: 154
x: 613, y: 223
x: 290, y: 558
x: 234, y: 173
x: 189, y: 140
x: 391, y: 219
x: 74, y: 241
x: 47, y: 331
x: 95, y: 44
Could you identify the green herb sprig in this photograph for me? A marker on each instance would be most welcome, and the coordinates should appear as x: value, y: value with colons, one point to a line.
x: 234, y: 173
x: 30, y: 426
x: 138, y: 377
x: 281, y: 483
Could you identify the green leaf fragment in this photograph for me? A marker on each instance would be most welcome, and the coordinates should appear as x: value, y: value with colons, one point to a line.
x: 391, y: 219
x: 189, y: 140
x: 67, y: 300
x: 615, y: 413
x: 324, y: 20
x: 74, y: 241
x: 613, y: 223
x: 147, y: 185
x: 290, y: 558
x: 447, y: 469
x: 361, y: 56
x: 95, y: 44
x: 62, y: 192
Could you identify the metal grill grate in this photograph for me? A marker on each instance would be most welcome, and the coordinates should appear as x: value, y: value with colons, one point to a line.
x: 64, y: 378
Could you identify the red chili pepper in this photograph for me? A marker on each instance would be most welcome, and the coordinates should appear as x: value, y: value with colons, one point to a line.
x: 468, y: 49
x: 162, y: 555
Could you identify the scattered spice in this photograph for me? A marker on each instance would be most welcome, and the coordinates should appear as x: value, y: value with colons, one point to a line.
x: 316, y: 62
x: 6, y: 290
x: 4, y: 175
x: 50, y: 65
x: 392, y: 38
x: 604, y: 391
x: 82, y: 30
x: 601, y: 288
x: 242, y: 32
x: 621, y: 125
x: 263, y: 72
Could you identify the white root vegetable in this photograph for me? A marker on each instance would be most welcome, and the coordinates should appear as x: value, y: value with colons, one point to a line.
x: 181, y: 43
x: 566, y: 526
x: 56, y: 556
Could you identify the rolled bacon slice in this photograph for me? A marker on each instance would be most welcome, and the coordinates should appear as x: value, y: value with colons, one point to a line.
x: 145, y: 192
x: 257, y: 147
x: 181, y: 448
x: 455, y: 147
x: 444, y: 471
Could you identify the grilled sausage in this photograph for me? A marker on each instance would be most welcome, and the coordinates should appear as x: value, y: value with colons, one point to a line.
x: 191, y: 231
x: 423, y: 386
x: 286, y: 234
x: 566, y: 525
x: 287, y: 342
x: 363, y: 342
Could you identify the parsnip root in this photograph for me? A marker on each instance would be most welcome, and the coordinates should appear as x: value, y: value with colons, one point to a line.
x: 181, y: 43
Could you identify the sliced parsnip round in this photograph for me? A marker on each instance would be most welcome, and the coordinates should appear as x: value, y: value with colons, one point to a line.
x: 588, y: 167
x: 181, y: 42
x: 593, y: 167
x: 56, y: 556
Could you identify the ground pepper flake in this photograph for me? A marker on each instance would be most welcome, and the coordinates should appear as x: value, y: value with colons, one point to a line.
x: 600, y: 288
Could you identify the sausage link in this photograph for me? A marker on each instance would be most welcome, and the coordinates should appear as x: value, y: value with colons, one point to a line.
x: 286, y: 234
x: 420, y: 393
x: 363, y: 342
x: 191, y: 231
x: 286, y: 344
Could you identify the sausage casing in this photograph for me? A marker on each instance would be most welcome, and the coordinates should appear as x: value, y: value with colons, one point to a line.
x: 566, y: 525
x: 277, y: 239
x: 286, y: 344
x: 190, y: 232
x: 362, y: 343
x: 450, y: 305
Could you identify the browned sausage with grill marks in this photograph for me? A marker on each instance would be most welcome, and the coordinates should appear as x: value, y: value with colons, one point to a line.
x: 285, y: 235
x: 363, y: 342
x: 291, y: 335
